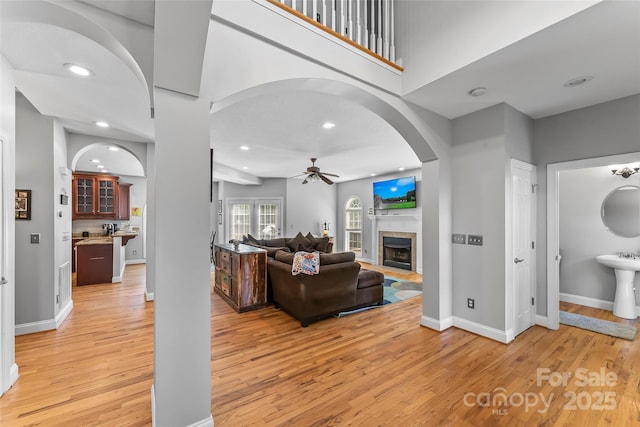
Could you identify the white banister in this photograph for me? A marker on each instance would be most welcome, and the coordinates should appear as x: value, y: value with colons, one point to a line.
x: 367, y: 23
x: 385, y: 32
x: 379, y: 28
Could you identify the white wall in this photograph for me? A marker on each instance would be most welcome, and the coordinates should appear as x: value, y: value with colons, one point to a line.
x: 61, y: 213
x: 8, y: 367
x: 463, y: 25
x: 35, y: 269
x: 601, y: 130
x: 583, y: 235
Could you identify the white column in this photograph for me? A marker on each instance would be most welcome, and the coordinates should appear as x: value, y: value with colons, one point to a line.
x: 182, y: 368
x: 150, y: 232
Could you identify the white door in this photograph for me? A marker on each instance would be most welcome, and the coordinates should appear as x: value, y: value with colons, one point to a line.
x: 523, y: 245
x: 3, y: 338
x: 262, y: 218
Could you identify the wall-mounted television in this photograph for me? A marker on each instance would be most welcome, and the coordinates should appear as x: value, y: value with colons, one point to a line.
x: 398, y: 193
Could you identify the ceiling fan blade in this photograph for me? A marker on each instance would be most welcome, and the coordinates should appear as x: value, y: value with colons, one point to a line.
x: 331, y: 174
x: 305, y: 180
x: 296, y: 176
x: 325, y: 179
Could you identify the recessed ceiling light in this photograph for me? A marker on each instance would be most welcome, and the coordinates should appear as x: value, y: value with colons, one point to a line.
x: 102, y: 124
x: 372, y: 174
x: 577, y: 81
x: 245, y: 167
x: 104, y: 171
x: 328, y: 125
x: 112, y: 148
x: 244, y: 148
x: 479, y: 91
x: 401, y: 168
x: 100, y: 166
x: 78, y: 70
x: 95, y: 161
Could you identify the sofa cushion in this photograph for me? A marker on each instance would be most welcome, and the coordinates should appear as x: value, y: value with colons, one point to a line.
x: 319, y: 243
x: 368, y: 278
x: 337, y: 258
x: 286, y: 257
x: 276, y: 243
x: 300, y: 243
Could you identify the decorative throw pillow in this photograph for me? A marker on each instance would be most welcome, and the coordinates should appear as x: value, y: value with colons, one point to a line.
x: 311, y: 238
x: 306, y: 263
x: 300, y: 243
x: 323, y: 244
x: 253, y: 240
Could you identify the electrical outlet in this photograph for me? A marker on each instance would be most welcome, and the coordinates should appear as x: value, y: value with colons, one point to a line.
x: 134, y: 252
x: 35, y: 237
x: 475, y: 240
x: 471, y: 303
x: 460, y: 239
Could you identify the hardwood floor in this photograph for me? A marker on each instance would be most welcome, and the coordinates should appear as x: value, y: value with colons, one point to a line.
x: 377, y: 367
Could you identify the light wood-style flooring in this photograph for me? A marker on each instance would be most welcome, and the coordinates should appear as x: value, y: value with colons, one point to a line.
x: 374, y: 368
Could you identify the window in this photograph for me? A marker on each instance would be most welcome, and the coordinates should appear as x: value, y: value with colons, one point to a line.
x: 353, y: 226
x: 259, y: 217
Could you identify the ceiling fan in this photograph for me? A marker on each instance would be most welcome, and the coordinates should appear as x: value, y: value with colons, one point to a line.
x: 313, y: 174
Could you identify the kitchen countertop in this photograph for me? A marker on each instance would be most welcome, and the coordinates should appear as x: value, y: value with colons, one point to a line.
x: 106, y: 240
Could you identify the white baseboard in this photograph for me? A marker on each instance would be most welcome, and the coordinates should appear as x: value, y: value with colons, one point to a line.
x: 135, y: 261
x: 45, y: 325
x: 586, y: 301
x: 64, y: 313
x: 483, y: 330
x: 542, y: 321
x: 590, y: 302
x: 13, y: 374
x: 33, y: 327
x: 149, y: 296
x: 207, y: 422
x: 438, y: 325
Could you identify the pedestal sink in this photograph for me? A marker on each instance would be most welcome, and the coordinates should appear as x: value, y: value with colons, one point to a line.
x: 624, y: 304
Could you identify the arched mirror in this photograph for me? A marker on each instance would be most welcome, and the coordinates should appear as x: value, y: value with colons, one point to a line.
x: 621, y: 211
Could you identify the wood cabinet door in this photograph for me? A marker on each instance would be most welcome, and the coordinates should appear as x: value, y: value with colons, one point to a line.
x: 95, y: 196
x: 83, y: 194
x: 124, y: 191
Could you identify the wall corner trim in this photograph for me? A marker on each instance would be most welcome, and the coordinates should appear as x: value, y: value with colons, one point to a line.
x: 149, y: 296
x: 436, y: 324
x: 64, y: 313
x: 483, y: 330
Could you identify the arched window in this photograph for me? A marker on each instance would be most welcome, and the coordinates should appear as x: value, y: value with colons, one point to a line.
x: 353, y: 226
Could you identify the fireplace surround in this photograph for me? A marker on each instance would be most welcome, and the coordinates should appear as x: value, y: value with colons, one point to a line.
x: 397, y: 249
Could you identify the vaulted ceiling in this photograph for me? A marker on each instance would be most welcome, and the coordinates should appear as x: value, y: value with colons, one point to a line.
x: 282, y: 131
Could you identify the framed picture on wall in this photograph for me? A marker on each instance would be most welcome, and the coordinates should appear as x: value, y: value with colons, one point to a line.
x: 23, y: 204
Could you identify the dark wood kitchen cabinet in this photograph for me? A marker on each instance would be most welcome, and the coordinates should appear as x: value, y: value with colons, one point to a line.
x: 99, y: 197
x: 123, y: 200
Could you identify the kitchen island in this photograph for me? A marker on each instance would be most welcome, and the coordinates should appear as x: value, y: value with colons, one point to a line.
x: 101, y: 259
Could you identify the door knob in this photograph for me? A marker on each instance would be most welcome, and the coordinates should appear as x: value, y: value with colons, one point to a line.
x: 518, y: 260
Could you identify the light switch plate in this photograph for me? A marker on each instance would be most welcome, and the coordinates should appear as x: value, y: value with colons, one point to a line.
x: 475, y: 239
x: 35, y: 237
x: 460, y: 239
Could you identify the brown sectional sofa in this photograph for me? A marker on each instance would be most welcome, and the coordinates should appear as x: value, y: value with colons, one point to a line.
x: 340, y: 286
x: 291, y: 244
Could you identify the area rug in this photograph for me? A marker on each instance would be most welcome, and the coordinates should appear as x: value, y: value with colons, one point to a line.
x: 394, y: 290
x: 614, y: 329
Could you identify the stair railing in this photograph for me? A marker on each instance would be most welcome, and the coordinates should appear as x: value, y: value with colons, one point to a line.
x: 366, y: 24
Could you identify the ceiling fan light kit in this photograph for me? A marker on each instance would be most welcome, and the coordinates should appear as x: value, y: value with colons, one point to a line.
x: 314, y: 175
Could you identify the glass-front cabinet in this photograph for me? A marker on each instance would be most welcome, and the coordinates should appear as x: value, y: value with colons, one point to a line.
x: 95, y: 196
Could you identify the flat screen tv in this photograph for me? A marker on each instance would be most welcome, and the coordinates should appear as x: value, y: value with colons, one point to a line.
x: 398, y: 193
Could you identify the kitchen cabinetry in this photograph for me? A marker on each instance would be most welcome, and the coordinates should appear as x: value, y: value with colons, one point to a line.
x: 123, y: 200
x: 100, y: 197
x: 241, y: 276
x: 94, y: 263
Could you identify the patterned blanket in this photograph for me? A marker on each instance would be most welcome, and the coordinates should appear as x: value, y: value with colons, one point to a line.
x: 306, y: 263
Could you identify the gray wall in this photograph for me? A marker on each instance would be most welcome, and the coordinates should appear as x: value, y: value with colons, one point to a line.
x: 308, y: 206
x: 363, y: 189
x: 479, y: 208
x: 600, y: 130
x: 35, y: 286
x: 583, y: 235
